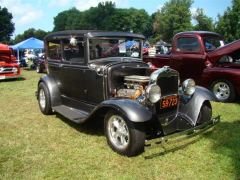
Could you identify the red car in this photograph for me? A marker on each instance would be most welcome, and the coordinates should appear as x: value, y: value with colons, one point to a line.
x: 204, y: 57
x: 8, y: 66
x: 222, y: 75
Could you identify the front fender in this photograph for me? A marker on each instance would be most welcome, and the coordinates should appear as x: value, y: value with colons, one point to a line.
x: 191, y: 106
x: 135, y: 111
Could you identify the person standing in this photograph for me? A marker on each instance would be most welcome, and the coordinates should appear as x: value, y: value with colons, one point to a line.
x: 152, y: 51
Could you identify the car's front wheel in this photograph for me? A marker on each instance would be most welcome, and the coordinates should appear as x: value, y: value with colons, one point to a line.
x: 44, y: 100
x: 223, y: 90
x: 124, y: 136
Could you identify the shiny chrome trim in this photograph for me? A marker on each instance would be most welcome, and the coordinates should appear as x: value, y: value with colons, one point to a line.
x: 165, y: 72
x: 182, y: 135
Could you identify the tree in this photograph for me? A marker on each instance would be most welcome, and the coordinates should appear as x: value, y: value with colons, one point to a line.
x: 7, y: 26
x: 60, y: 21
x: 18, y: 38
x: 174, y: 17
x: 99, y: 18
x: 120, y: 21
x: 31, y: 32
x: 140, y: 20
x: 228, y: 25
x: 203, y: 22
x: 105, y: 17
x: 149, y: 32
x: 131, y: 20
x: 67, y: 20
x: 40, y: 34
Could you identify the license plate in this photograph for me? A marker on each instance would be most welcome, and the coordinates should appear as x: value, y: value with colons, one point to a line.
x: 168, y: 101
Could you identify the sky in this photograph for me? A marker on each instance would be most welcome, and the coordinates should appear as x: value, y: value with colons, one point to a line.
x: 39, y: 14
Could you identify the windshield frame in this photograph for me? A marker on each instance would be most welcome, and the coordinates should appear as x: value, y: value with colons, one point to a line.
x: 111, y: 44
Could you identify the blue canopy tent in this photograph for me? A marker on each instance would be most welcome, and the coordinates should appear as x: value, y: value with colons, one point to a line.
x: 130, y: 43
x: 31, y: 43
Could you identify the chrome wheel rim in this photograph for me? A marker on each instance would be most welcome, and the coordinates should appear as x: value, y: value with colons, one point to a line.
x: 221, y: 90
x: 42, y: 98
x: 118, y: 132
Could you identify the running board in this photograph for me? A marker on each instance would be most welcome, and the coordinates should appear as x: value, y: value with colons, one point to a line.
x: 74, y: 115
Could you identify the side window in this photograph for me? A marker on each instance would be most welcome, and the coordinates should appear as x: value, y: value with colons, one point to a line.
x: 73, y: 50
x: 188, y: 44
x: 54, y: 49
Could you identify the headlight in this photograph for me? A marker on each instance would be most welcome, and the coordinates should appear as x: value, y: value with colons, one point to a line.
x: 15, y: 70
x: 153, y: 93
x: 188, y: 86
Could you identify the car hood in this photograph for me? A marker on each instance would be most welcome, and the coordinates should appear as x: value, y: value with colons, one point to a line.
x: 220, y: 52
x: 5, y: 55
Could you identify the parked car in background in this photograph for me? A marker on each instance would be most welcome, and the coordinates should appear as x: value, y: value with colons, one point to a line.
x: 8, y: 66
x: 40, y: 64
x: 163, y: 49
x: 138, y: 108
x: 204, y: 57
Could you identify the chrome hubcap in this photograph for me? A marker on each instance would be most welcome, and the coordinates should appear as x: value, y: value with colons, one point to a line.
x: 118, y: 132
x: 221, y: 90
x: 42, y: 98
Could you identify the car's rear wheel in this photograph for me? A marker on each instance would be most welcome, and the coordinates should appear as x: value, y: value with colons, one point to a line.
x: 38, y: 69
x: 124, y: 136
x: 205, y: 113
x: 223, y: 90
x: 44, y: 100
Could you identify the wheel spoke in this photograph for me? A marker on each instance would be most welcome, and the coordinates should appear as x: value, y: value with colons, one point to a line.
x: 42, y: 99
x: 221, y: 90
x: 118, y: 131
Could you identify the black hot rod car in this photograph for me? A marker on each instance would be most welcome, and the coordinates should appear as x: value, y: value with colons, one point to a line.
x: 100, y: 74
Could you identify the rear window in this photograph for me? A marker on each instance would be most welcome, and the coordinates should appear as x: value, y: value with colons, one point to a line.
x: 188, y: 44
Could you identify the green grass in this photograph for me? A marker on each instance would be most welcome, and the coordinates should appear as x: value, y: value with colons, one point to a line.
x: 35, y: 146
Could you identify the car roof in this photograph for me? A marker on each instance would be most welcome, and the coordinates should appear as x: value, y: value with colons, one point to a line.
x: 91, y: 33
x: 199, y: 33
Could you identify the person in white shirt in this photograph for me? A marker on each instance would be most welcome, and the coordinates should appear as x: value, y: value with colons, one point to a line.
x: 135, y: 54
x: 152, y: 51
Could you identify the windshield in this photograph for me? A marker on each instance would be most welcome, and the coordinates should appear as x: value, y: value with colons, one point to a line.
x: 114, y: 47
x: 212, y: 42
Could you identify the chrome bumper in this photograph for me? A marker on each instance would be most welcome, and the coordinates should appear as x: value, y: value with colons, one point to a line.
x: 182, y: 135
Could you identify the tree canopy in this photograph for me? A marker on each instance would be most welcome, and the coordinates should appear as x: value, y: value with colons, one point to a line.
x: 7, y: 26
x: 105, y: 17
x: 228, y: 24
x: 39, y: 34
x: 174, y: 16
x: 203, y: 22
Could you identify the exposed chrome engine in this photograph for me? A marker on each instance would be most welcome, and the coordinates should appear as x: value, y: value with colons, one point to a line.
x: 134, y: 87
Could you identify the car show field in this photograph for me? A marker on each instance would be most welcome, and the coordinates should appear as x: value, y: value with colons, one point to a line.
x: 35, y: 146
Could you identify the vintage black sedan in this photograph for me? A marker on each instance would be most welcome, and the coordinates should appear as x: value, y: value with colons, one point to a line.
x: 96, y: 75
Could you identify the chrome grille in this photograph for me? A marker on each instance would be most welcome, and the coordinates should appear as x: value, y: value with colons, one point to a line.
x: 168, y: 85
x: 168, y: 80
x: 8, y: 69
